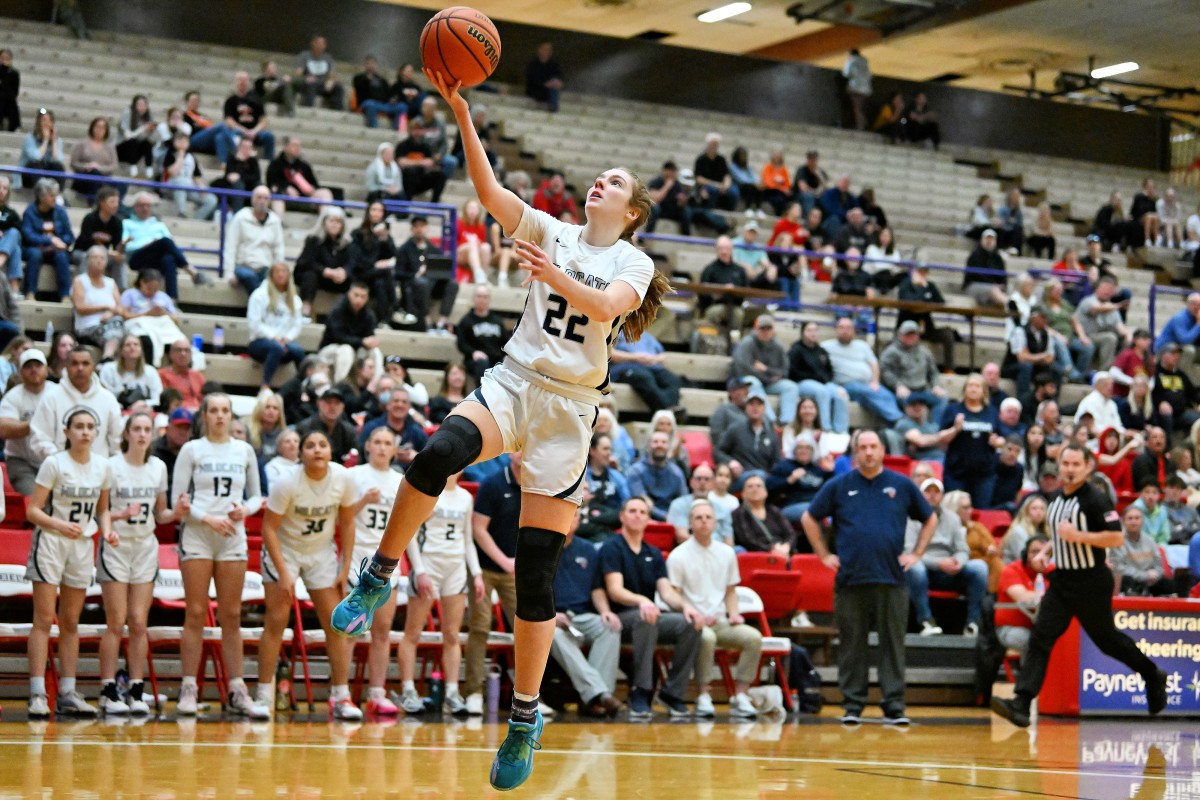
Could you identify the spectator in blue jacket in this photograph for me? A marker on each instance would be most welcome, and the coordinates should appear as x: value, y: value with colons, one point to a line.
x: 641, y: 364
x: 658, y: 477
x: 47, y: 237
x: 836, y: 202
x: 1183, y: 328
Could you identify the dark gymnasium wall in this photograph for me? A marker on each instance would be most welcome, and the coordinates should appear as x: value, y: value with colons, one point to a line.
x: 621, y: 68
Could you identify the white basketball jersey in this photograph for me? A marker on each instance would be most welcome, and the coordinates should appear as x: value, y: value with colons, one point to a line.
x: 217, y: 475
x: 448, y: 529
x: 74, y: 488
x: 136, y: 485
x: 372, y: 519
x: 309, y: 508
x: 552, y: 337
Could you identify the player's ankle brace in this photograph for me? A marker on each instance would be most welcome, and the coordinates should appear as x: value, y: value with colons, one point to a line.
x: 453, y: 447
x: 538, y: 552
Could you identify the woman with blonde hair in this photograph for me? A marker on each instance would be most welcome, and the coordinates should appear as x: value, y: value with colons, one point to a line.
x: 664, y: 420
x: 472, y: 243
x: 265, y: 425
x: 324, y: 263
x: 384, y: 181
x: 274, y: 317
x: 1030, y: 522
x: 129, y: 377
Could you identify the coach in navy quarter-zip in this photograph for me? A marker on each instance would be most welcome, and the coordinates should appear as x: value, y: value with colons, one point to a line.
x: 870, y: 508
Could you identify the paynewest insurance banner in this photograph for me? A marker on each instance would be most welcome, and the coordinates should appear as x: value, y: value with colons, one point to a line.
x: 1170, y: 638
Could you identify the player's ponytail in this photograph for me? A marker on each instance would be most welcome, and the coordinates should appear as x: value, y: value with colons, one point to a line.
x: 639, y: 201
x: 641, y: 317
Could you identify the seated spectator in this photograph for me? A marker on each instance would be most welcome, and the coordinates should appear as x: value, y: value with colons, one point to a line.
x: 624, y: 453
x: 544, y: 77
x: 776, y: 182
x: 744, y: 180
x: 300, y: 392
x: 60, y: 350
x: 729, y: 412
x: 583, y: 617
x: 361, y: 403
x: 1019, y: 586
x: 245, y: 117
x: 1111, y: 225
x: 762, y: 361
x: 47, y: 236
x: 750, y: 446
x: 856, y: 234
x: 1137, y: 410
x: 1131, y: 362
x: 316, y: 76
x: 921, y: 122
x: 657, y: 477
x: 889, y: 120
x: 16, y: 410
x: 1183, y: 518
x: 291, y: 175
x: 877, y: 262
x: 273, y: 317
x: 486, y: 131
x: 856, y: 370
x: 384, y: 181
x: 420, y: 165
x: 254, y: 241
x: 1100, y: 405
x: 504, y: 246
x: 1143, y: 216
x: 836, y: 203
x: 876, y: 219
x: 986, y: 277
x: 795, y: 480
x: 418, y: 289
x: 1022, y: 299
x: 456, y: 386
x: 149, y: 245
x: 271, y: 87
x: 373, y: 94
x: 916, y: 286
x: 471, y: 241
x: 678, y: 514
x: 1012, y: 222
x: 97, y: 156
x: 151, y: 314
x: 350, y: 325
x: 325, y: 260
x: 265, y: 426
x: 1175, y: 397
x: 1009, y: 416
x: 103, y: 226
x: 1191, y: 231
x: 134, y: 383
x: 1010, y: 475
x: 181, y: 170
x: 720, y: 495
x: 704, y: 571
x: 642, y: 365
x: 10, y: 88
x: 1138, y: 562
x: 715, y: 187
x: 10, y: 239
x: 811, y: 181
x: 553, y: 198
x: 1041, y: 238
x: 634, y: 572
x: 1183, y: 328
x: 99, y: 315
x: 1029, y: 524
x: 749, y: 256
x: 1152, y: 466
x: 373, y: 263
x: 1072, y: 348
x: 1045, y: 387
x: 607, y: 492
x: 850, y: 278
x: 393, y: 367
x: 810, y: 368
x: 1156, y: 524
x: 42, y: 148
x: 164, y: 134
x: 407, y: 91
x: 481, y: 334
x: 433, y: 131
x: 11, y: 354
x: 1101, y: 321
x: 722, y: 271
x: 1114, y: 460
x: 969, y: 433
x: 78, y: 387
x: 241, y: 173
x: 331, y: 420
x: 178, y: 374
x: 136, y: 131
x: 410, y: 437
x: 286, y: 459
x: 1031, y: 351
x: 206, y: 134
x: 920, y: 432
x: 907, y: 367
x: 947, y: 563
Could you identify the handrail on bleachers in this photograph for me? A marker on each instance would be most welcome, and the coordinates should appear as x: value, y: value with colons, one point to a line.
x: 1155, y: 291
x: 446, y: 214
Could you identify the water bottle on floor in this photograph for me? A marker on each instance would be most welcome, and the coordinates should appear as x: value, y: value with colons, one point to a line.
x: 492, y: 690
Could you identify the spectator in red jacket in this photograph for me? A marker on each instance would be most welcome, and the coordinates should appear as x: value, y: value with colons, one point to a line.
x: 552, y: 197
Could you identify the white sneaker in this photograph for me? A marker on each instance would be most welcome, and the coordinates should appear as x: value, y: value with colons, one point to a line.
x: 110, y: 706
x: 344, y: 710
x: 742, y: 707
x: 411, y: 702
x: 502, y: 280
x: 801, y: 620
x: 475, y: 704
x: 72, y: 703
x: 39, y: 707
x: 239, y: 703
x: 930, y: 628
x: 138, y: 707
x: 972, y: 630
x: 704, y: 706
x: 454, y: 705
x: 546, y: 711
x: 188, y: 695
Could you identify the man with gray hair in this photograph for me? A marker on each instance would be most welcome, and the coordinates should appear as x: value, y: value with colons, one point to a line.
x: 46, y: 232
x: 1101, y: 321
x: 714, y: 182
x: 253, y: 241
x: 761, y: 360
x: 908, y: 367
x: 1100, y: 405
x: 245, y: 117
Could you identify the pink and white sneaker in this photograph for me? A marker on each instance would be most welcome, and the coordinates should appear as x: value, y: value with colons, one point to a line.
x: 381, y: 707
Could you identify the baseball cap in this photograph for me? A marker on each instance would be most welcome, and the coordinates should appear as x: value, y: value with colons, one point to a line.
x: 1049, y: 468
x: 909, y: 326
x: 181, y: 416
x: 1039, y: 309
x: 917, y: 397
x: 687, y: 177
x: 988, y: 232
x: 1169, y: 347
x: 736, y: 383
x: 764, y: 321
x: 757, y: 395
x: 749, y: 225
x: 925, y: 484
x: 1094, y: 237
x: 32, y: 354
x: 332, y: 393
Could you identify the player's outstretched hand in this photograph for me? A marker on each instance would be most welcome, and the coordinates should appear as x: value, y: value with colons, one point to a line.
x: 450, y: 93
x: 534, y: 259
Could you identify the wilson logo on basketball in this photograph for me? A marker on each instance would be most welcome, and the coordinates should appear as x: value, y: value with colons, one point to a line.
x: 489, y: 50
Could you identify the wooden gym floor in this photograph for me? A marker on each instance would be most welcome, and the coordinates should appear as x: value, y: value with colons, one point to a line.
x: 947, y: 753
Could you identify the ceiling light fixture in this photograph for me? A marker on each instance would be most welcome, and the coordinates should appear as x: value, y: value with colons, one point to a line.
x: 724, y: 12
x: 1115, y: 69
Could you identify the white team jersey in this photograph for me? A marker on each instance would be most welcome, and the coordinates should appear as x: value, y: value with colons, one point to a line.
x: 372, y: 519
x: 309, y: 508
x: 136, y: 485
x: 217, y: 476
x: 448, y: 529
x: 74, y: 489
x: 552, y: 337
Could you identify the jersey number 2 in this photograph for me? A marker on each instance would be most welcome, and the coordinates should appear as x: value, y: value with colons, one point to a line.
x: 557, y: 312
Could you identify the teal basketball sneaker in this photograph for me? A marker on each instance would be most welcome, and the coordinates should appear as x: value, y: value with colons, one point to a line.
x: 353, y: 615
x: 514, y: 760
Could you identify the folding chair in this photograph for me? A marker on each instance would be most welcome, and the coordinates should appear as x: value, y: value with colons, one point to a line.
x: 750, y: 606
x: 661, y: 535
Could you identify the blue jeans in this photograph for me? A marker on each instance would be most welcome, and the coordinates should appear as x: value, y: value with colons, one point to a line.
x: 10, y: 245
x: 249, y: 278
x: 265, y: 140
x: 971, y: 580
x: 788, y: 393
x: 794, y: 512
x: 166, y: 257
x: 371, y: 109
x: 62, y: 270
x: 271, y: 354
x: 216, y: 139
x: 833, y: 404
x: 978, y: 486
x: 880, y: 401
x: 7, y: 331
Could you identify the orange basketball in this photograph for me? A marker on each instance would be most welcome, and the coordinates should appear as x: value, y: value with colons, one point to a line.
x: 462, y: 44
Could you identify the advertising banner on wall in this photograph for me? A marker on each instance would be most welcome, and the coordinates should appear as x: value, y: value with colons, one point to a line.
x: 1170, y: 638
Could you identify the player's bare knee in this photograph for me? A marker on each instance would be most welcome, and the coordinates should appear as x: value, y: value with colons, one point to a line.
x: 452, y: 448
x: 538, y: 552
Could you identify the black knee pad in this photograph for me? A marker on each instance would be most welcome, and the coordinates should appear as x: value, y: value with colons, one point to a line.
x: 453, y: 447
x: 538, y: 552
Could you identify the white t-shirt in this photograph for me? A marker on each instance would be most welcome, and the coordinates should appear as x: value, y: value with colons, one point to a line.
x: 19, y: 404
x: 217, y: 476
x: 552, y: 337
x: 279, y: 468
x: 703, y: 574
x: 75, y: 488
x: 372, y: 519
x: 141, y: 484
x: 309, y: 508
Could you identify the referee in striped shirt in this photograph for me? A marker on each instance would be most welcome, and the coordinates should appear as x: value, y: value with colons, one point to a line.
x: 1083, y: 523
